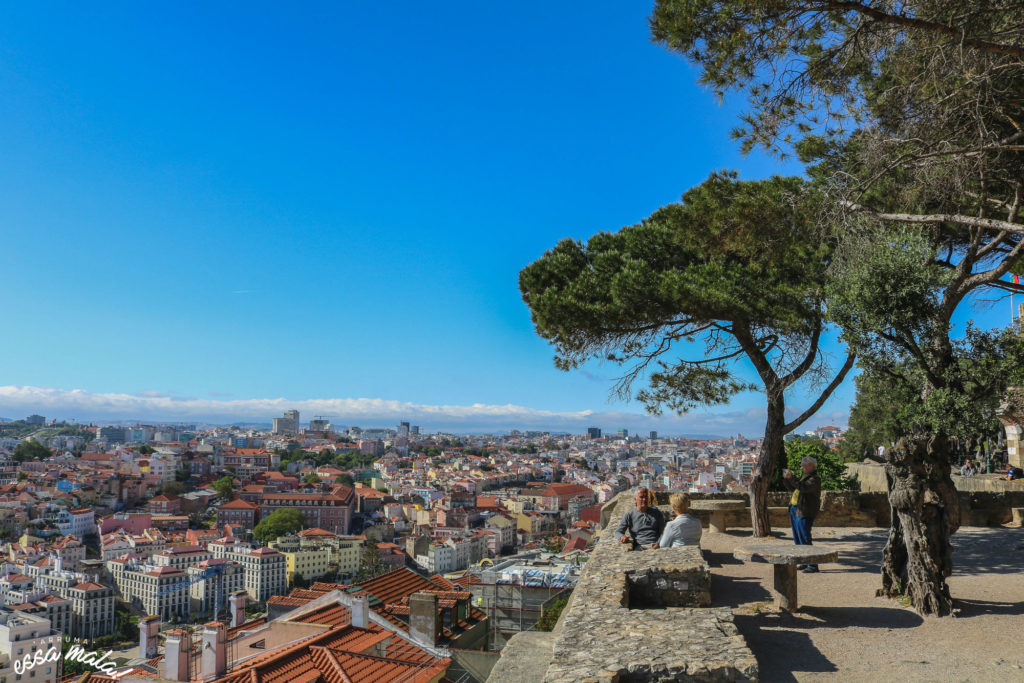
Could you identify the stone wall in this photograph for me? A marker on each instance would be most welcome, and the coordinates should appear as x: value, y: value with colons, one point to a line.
x: 614, y: 628
x: 838, y: 508
x: 984, y: 501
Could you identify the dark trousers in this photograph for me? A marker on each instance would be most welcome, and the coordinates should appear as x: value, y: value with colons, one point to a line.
x: 801, y: 529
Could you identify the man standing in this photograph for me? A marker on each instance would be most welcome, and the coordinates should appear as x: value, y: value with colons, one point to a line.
x: 644, y: 524
x: 803, y: 506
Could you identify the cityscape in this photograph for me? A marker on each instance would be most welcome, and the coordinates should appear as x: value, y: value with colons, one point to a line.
x: 505, y: 343
x: 119, y: 533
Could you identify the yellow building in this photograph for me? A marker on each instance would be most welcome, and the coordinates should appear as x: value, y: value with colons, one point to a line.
x: 309, y: 564
x: 349, y: 552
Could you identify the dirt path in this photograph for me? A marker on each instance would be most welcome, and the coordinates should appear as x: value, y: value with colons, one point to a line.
x: 844, y: 633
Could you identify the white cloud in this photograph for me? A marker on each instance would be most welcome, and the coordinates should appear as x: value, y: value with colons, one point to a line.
x: 81, y: 405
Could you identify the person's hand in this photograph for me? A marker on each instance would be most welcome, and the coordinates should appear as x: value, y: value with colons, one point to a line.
x: 654, y: 547
x: 625, y: 539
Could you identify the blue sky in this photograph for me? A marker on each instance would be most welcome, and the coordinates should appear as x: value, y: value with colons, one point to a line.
x: 215, y: 204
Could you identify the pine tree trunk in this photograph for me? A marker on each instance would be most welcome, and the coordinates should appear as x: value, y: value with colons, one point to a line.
x: 767, y: 462
x: 925, y: 513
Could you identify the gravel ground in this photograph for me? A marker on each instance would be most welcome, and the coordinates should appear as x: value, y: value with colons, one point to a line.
x: 843, y: 632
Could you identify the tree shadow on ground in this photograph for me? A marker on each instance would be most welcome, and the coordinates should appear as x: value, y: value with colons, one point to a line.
x: 780, y: 652
x: 733, y: 591
x: 988, y: 551
x: 859, y: 617
x: 979, y: 608
x: 862, y: 552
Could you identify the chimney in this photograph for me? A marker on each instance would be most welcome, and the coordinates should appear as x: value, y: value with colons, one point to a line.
x: 215, y: 650
x: 149, y: 627
x: 423, y: 618
x: 177, y: 651
x: 360, y: 609
x: 238, y: 600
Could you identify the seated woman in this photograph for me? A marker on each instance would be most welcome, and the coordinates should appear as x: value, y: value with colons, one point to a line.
x: 684, y: 529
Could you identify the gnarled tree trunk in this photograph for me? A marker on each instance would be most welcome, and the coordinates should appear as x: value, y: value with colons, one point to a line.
x: 767, y: 462
x: 925, y: 513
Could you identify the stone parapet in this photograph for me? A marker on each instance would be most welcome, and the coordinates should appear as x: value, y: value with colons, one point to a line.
x: 838, y: 508
x: 643, y: 616
x: 525, y: 657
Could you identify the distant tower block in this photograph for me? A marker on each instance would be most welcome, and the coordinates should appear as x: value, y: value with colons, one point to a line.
x: 149, y: 627
x: 238, y: 602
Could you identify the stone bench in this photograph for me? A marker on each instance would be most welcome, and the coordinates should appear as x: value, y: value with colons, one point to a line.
x: 784, y: 558
x: 719, y: 510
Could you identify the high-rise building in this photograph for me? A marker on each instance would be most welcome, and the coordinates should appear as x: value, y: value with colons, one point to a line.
x: 594, y: 432
x: 416, y: 429
x: 623, y: 433
x: 654, y: 435
x: 320, y: 425
x: 289, y: 424
x: 403, y: 429
x: 111, y: 434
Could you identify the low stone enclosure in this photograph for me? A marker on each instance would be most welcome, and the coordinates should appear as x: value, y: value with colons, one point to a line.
x: 644, y: 616
x: 635, y: 616
x: 857, y: 509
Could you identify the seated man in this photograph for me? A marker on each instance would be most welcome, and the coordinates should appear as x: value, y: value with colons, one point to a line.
x: 968, y: 469
x: 644, y: 524
x: 1014, y: 473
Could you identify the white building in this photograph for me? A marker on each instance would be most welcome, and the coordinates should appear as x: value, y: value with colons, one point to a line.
x: 79, y: 522
x: 25, y: 634
x: 265, y: 568
x: 211, y: 583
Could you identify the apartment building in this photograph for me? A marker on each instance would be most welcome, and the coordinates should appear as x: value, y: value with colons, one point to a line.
x: 52, y: 607
x: 79, y: 522
x: 162, y: 591
x: 265, y: 568
x: 332, y: 512
x: 348, y: 554
x: 70, y: 552
x: 238, y: 511
x: 25, y: 634
x: 182, y: 557
x: 210, y: 583
x: 309, y: 564
x: 92, y: 609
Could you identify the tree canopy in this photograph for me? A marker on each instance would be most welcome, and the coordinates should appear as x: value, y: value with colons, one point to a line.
x: 225, y: 487
x: 173, y: 488
x: 735, y: 271
x: 280, y: 522
x: 910, y: 116
x: 31, y: 450
x: 831, y: 469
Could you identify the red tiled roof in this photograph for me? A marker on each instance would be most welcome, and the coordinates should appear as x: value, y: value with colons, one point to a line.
x: 306, y: 533
x: 89, y: 586
x: 239, y: 504
x: 163, y: 571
